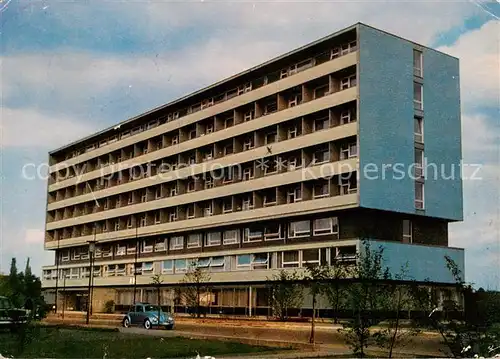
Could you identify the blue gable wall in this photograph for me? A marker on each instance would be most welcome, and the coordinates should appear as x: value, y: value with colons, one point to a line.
x: 385, y: 121
x: 386, y: 126
x: 422, y: 263
x: 442, y: 136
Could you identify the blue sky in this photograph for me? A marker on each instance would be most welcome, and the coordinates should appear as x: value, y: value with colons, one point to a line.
x: 70, y: 68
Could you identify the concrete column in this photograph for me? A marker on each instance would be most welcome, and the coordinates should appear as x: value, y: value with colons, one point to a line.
x: 250, y: 301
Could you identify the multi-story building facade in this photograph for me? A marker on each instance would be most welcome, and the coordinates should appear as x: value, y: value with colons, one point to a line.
x: 354, y: 136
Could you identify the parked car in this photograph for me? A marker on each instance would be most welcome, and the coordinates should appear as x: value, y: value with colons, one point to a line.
x: 10, y: 316
x: 146, y: 314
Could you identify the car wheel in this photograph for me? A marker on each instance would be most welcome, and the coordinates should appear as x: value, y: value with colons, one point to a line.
x: 126, y: 323
x: 147, y: 324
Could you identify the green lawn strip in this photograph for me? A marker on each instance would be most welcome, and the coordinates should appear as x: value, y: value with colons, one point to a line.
x: 71, y: 343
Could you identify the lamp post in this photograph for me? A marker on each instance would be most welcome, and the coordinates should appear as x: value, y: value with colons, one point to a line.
x: 57, y: 274
x: 135, y: 259
x: 89, y: 297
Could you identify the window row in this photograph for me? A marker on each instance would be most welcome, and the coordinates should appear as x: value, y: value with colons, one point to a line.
x: 275, y: 164
x: 254, y: 233
x: 275, y: 196
x: 265, y: 137
x: 244, y: 88
x: 277, y: 102
x: 257, y: 261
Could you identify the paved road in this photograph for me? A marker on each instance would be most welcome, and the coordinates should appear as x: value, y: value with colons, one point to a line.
x: 326, y: 336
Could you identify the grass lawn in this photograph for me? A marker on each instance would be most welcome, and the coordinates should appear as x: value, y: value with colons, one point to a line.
x: 47, y: 342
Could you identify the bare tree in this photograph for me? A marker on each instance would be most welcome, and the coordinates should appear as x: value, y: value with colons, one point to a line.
x: 196, y: 283
x: 286, y: 292
x: 315, y: 276
x: 157, y: 282
x: 399, y: 301
x: 335, y: 290
x: 367, y: 296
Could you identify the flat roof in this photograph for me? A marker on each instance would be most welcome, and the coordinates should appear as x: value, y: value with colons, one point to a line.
x: 222, y: 82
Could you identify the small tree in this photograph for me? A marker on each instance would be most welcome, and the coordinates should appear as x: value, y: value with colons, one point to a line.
x: 469, y: 336
x: 196, y: 282
x: 400, y: 301
x: 157, y: 282
x: 315, y: 276
x: 368, y: 297
x: 286, y: 293
x: 335, y: 290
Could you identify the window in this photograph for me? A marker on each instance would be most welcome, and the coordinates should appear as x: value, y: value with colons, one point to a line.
x: 294, y: 195
x: 190, y: 186
x: 348, y: 82
x: 160, y: 245
x: 418, y: 92
x: 194, y: 240
x: 294, y: 100
x: 209, y: 210
x: 158, y: 192
x: 129, y: 222
x: 271, y: 137
x: 248, y: 144
x: 290, y: 259
x: 228, y: 149
x: 147, y: 268
x: 419, y: 195
x: 294, y: 163
x: 346, y: 117
x: 208, y: 155
x: 299, y: 229
x: 252, y: 234
x: 407, y: 231
x: 346, y: 253
x: 270, y: 107
x: 323, y: 226
x: 247, y: 203
x: 131, y: 248
x: 293, y: 132
x: 107, y: 251
x: 419, y: 129
x: 272, y: 231
x: 209, y: 183
x: 65, y: 255
x: 321, y: 190
x: 180, y: 265
x: 147, y: 246
x: 121, y: 250
x: 213, y: 239
x: 172, y: 216
x: 310, y: 256
x: 190, y: 211
x: 419, y: 163
x: 231, y: 237
x: 203, y: 262
x: 143, y: 221
x: 227, y: 205
x: 321, y: 91
x: 243, y: 260
x: 271, y: 165
x: 321, y: 124
x: 348, y: 151
x: 260, y: 261
x: 247, y: 173
x: 347, y: 186
x: 321, y: 155
x: 167, y: 266
x: 417, y: 63
x: 144, y: 196
x: 176, y: 243
x: 228, y: 122
x: 217, y: 262
x: 270, y: 198
x: 117, y: 225
x: 192, y: 134
x: 76, y: 254
x: 173, y: 191
x: 157, y: 217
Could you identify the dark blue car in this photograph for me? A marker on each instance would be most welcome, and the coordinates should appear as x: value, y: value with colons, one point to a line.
x: 146, y: 315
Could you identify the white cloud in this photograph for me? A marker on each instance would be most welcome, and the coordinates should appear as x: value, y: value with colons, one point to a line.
x: 30, y: 128
x: 479, y: 55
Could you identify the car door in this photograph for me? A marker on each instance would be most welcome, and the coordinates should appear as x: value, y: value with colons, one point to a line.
x: 139, y: 314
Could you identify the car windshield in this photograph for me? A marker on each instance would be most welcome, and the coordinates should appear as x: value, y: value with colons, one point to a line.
x: 151, y: 308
